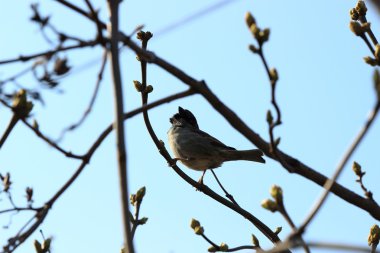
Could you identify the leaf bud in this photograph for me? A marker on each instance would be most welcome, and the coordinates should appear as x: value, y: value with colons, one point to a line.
x: 137, y: 85
x: 194, y: 223
x: 249, y: 19
x: 269, y: 205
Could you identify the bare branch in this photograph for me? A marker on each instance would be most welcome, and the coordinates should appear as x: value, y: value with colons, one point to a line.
x: 22, y: 58
x: 92, y: 101
x: 329, y: 184
x: 228, y: 195
x: 52, y: 143
x: 119, y: 122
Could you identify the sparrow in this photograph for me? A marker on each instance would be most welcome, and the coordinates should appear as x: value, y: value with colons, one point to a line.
x: 200, y: 151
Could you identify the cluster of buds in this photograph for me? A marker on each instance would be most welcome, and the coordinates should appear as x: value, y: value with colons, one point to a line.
x: 139, y: 87
x: 138, y: 197
x: 359, y: 29
x: 136, y: 200
x: 60, y: 66
x: 20, y: 105
x: 357, y: 169
x: 196, y: 226
x: 261, y: 35
x: 359, y: 12
x: 6, y: 181
x: 29, y: 194
x: 374, y: 236
x: 37, y: 17
x: 359, y: 26
x: 277, y: 203
x: 44, y: 247
x: 223, y: 247
x: 144, y: 36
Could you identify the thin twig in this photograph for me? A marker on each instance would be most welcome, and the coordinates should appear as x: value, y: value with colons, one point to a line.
x: 319, y: 245
x: 242, y: 248
x: 92, y: 101
x: 367, y: 193
x: 135, y: 223
x: 289, y: 220
x: 217, y: 248
x: 119, y: 123
x: 223, y: 189
x: 8, y: 130
x: 371, y: 35
x: 52, y: 143
x: 63, y: 35
x: 18, y: 209
x: 209, y: 241
x: 366, y: 41
x: 272, y: 125
x: 328, y: 185
x: 95, y: 18
x: 22, y: 58
x: 77, y: 9
x: 17, y: 75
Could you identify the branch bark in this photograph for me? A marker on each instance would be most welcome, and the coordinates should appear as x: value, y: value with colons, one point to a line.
x: 119, y: 122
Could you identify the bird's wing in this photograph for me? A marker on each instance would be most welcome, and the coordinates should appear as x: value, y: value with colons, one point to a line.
x: 214, y: 141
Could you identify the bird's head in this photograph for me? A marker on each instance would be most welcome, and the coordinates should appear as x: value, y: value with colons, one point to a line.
x: 184, y: 118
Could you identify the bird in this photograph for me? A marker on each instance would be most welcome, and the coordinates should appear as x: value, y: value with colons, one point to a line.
x: 199, y: 150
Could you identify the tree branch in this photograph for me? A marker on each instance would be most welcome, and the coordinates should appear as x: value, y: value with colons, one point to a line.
x: 329, y: 184
x: 22, y: 58
x: 119, y: 123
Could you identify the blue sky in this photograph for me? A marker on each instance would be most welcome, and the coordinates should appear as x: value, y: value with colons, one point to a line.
x: 325, y: 93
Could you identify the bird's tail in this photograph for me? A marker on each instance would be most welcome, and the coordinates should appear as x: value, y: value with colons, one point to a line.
x: 254, y: 155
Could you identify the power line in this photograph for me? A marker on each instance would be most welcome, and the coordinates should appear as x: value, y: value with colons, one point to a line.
x: 194, y: 16
x: 173, y: 26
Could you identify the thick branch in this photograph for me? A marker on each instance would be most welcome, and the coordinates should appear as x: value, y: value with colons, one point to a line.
x: 119, y: 123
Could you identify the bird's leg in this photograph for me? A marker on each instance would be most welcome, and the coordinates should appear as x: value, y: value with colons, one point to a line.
x: 200, y: 181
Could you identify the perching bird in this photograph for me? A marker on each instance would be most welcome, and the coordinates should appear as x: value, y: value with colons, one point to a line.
x: 199, y: 150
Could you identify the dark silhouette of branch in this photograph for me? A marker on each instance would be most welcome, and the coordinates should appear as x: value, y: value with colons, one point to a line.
x: 360, y: 174
x: 17, y: 75
x: 329, y: 184
x: 92, y: 101
x: 94, y: 16
x: 22, y: 58
x: 227, y: 194
x: 217, y: 248
x: 51, y: 143
x: 119, y: 122
x: 320, y: 245
x: 376, y: 4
